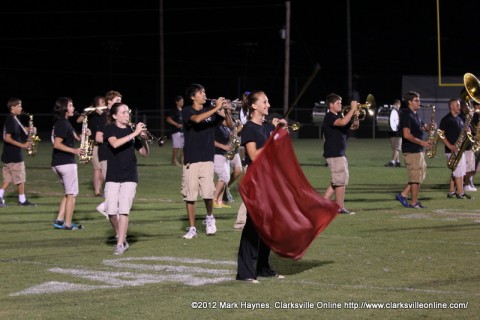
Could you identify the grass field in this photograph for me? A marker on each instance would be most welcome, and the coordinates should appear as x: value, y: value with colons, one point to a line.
x: 385, y: 262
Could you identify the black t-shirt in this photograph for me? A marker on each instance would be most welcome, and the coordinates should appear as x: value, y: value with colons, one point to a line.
x: 122, y: 162
x: 176, y: 115
x: 199, y: 137
x: 475, y: 119
x: 411, y: 120
x: 63, y: 129
x: 452, y: 127
x: 12, y: 153
x: 222, y: 135
x: 259, y: 134
x: 102, y: 147
x: 336, y: 137
x: 95, y: 121
x: 464, y: 119
x: 474, y: 123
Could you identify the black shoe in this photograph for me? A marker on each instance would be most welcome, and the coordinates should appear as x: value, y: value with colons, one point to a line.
x: 345, y: 211
x: 227, y: 196
x: 58, y: 224
x: 417, y: 205
x: 398, y: 164
x: 74, y: 226
x: 268, y: 273
x: 27, y: 204
x: 389, y: 164
x: 465, y: 196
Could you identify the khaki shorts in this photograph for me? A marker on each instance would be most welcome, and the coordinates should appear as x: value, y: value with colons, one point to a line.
x: 416, y: 166
x: 338, y: 171
x: 95, y: 161
x: 221, y: 167
x: 236, y: 162
x: 119, y: 197
x: 469, y: 160
x: 178, y: 140
x: 68, y: 175
x: 460, y: 170
x: 197, y: 178
x: 396, y: 143
x: 14, y: 172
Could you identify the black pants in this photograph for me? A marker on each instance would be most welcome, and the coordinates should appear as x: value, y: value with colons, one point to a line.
x: 253, y: 254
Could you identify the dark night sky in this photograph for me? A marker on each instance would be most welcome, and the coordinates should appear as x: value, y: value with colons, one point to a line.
x: 84, y: 48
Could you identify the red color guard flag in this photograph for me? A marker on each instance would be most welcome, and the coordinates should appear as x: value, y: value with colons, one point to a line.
x: 286, y: 210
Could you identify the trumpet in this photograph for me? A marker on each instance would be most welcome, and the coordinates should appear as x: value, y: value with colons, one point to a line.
x: 91, y: 109
x: 362, y: 108
x: 293, y: 125
x: 149, y: 137
x: 231, y: 104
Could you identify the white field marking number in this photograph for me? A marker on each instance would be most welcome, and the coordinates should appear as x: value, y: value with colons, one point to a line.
x: 138, y: 272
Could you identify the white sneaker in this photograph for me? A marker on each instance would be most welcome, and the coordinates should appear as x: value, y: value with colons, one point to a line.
x: 102, y: 209
x: 469, y: 188
x: 118, y: 250
x: 211, y: 227
x: 192, y: 233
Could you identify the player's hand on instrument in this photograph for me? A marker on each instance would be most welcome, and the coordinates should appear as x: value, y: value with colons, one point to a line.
x: 354, y: 105
x: 139, y: 128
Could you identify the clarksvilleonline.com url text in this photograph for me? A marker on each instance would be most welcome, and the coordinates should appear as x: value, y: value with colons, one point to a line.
x: 253, y: 305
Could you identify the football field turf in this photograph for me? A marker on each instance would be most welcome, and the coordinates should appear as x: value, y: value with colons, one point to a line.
x: 384, y: 262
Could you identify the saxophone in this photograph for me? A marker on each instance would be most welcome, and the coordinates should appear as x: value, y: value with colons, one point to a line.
x: 233, y: 141
x: 86, y: 144
x: 433, y: 136
x: 32, y: 138
x: 462, y: 142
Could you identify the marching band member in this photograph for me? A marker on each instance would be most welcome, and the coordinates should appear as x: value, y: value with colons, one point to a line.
x: 14, y: 140
x: 178, y: 141
x: 122, y: 175
x: 63, y: 162
x: 395, y: 140
x: 253, y: 253
x: 221, y: 163
x: 335, y: 128
x: 199, y: 151
x: 452, y: 126
x: 413, y: 145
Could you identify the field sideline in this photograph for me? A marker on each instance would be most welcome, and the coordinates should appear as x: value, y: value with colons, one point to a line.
x: 385, y: 262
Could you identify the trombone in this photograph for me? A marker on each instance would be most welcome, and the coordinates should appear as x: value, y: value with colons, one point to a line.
x: 363, y: 108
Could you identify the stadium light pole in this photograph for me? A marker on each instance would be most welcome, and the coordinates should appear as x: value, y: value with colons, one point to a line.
x: 349, y: 54
x: 287, y: 58
x: 162, y: 74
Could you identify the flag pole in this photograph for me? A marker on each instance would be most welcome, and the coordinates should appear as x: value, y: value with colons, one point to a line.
x: 316, y: 69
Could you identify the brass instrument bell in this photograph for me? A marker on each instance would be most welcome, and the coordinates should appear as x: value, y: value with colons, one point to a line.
x: 363, y: 108
x: 472, y: 88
